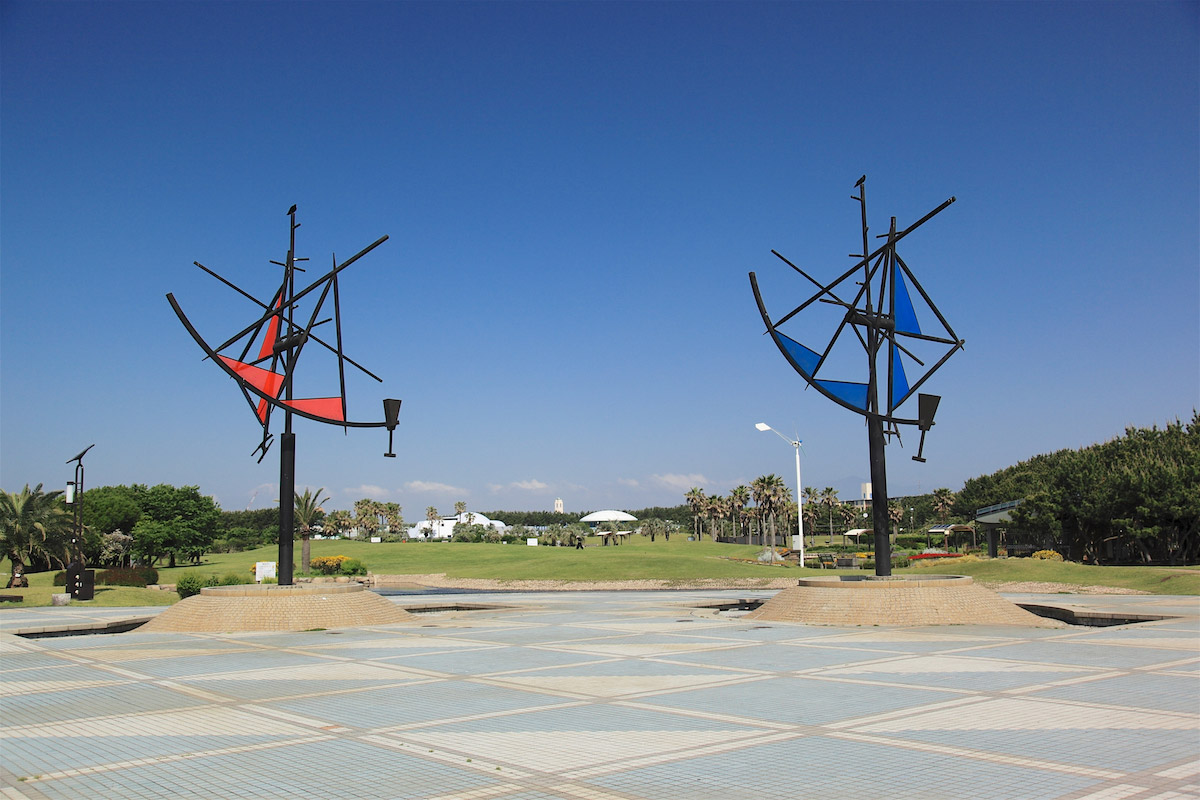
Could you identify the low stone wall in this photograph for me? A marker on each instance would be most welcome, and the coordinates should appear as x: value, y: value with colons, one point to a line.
x: 270, y: 607
x: 867, y: 600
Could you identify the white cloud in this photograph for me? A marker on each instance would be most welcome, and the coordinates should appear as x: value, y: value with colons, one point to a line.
x: 435, y: 487
x: 367, y: 490
x: 630, y: 482
x: 680, y: 482
x: 531, y: 485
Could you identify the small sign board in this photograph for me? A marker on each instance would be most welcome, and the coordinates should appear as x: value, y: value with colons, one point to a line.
x: 264, y: 569
x: 376, y: 539
x: 531, y: 542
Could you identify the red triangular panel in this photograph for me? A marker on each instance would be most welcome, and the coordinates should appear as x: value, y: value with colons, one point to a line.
x: 264, y: 380
x: 326, y: 407
x: 262, y: 411
x: 268, y: 344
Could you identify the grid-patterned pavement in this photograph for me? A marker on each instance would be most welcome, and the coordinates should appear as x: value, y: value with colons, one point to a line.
x: 605, y: 696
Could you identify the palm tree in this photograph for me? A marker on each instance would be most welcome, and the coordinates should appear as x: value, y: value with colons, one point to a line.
x: 895, y: 514
x: 787, y: 509
x: 811, y: 512
x: 943, y: 503
x: 366, y: 516
x: 696, y: 499
x: 431, y: 516
x: 738, y: 497
x: 338, y: 521
x: 760, y: 487
x: 829, y: 499
x: 308, y: 510
x: 769, y: 493
x: 848, y: 514
x: 392, y: 517
x: 33, y: 525
x: 715, y: 507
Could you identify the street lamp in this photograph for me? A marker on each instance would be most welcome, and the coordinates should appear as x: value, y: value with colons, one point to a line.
x: 762, y: 426
x: 77, y: 578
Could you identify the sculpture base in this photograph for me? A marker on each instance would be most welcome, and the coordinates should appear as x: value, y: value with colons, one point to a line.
x: 269, y: 607
x: 895, y: 601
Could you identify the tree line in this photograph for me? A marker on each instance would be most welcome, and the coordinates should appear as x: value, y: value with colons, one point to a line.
x: 1135, y: 498
x: 121, y: 524
x: 773, y: 512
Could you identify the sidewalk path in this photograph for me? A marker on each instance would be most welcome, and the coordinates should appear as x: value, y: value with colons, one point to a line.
x: 605, y: 696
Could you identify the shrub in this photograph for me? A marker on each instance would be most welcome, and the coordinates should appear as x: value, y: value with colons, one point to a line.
x: 1048, y: 555
x: 925, y: 559
x: 127, y: 576
x: 231, y: 579
x: 191, y: 583
x: 327, y: 565
x: 188, y: 584
x: 117, y: 576
x: 352, y: 566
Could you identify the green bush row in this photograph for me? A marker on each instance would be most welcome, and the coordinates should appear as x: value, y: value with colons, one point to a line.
x: 898, y: 562
x: 117, y: 576
x: 190, y: 583
x: 337, y: 565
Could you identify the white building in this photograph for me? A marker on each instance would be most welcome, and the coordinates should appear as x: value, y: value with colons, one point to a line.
x: 444, y: 527
x: 863, y: 503
x: 558, y: 505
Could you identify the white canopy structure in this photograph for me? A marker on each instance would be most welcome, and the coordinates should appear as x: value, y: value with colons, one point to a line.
x: 608, y: 516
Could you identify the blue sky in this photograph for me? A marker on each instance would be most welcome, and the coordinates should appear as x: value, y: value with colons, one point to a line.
x: 574, y: 194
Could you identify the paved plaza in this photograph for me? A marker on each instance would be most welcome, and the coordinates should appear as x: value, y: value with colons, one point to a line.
x: 605, y: 696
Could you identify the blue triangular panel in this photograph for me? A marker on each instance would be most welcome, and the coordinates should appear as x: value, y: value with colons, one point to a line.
x: 899, y: 379
x: 805, y: 358
x: 906, y: 317
x: 853, y: 393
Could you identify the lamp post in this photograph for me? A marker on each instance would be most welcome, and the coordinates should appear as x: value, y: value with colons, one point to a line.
x: 762, y: 426
x: 77, y: 583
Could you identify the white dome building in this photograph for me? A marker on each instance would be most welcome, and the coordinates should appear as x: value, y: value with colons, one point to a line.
x: 444, y: 527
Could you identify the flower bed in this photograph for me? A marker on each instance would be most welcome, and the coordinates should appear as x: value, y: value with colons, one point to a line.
x: 935, y: 555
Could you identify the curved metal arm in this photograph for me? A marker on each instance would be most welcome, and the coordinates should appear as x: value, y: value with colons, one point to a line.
x: 273, y: 401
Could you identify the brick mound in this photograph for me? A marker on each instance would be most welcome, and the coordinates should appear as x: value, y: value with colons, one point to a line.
x: 228, y: 609
x: 930, y: 600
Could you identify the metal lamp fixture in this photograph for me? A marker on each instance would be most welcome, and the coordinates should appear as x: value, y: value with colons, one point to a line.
x: 796, y: 443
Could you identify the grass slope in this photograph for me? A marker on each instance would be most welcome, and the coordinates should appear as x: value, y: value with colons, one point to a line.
x: 638, y: 559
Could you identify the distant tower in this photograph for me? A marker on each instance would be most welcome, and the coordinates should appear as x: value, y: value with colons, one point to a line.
x: 558, y: 506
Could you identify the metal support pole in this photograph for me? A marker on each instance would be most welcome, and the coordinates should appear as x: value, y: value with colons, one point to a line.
x: 287, y: 500
x: 879, y: 500
x: 77, y: 532
x: 799, y: 505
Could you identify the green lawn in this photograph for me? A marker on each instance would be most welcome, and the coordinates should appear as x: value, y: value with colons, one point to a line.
x: 1156, y: 580
x: 40, y: 589
x: 638, y: 559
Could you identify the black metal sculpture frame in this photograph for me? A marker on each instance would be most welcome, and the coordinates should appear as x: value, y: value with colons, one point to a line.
x: 267, y: 380
x: 882, y: 316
